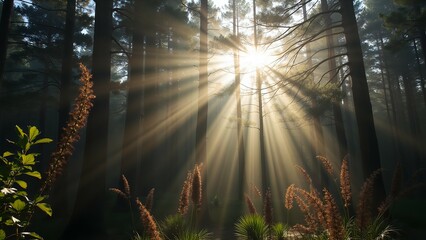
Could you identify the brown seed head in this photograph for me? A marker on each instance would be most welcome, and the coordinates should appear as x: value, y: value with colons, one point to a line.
x: 148, y: 221
x: 326, y: 164
x: 267, y: 207
x: 289, y: 197
x: 150, y: 199
x: 334, y: 222
x: 345, y: 184
x: 196, y: 187
x: 71, y: 132
x: 184, y: 195
x: 250, y: 205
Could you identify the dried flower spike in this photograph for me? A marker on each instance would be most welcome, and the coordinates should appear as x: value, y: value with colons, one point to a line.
x: 196, y: 187
x: 267, y: 207
x: 150, y: 199
x: 148, y: 222
x: 289, y: 197
x: 250, y: 205
x: 184, y: 195
x: 327, y: 164
x: 332, y: 217
x: 71, y: 132
x: 345, y: 184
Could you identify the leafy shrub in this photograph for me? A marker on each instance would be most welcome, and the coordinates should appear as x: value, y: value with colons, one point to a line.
x: 17, y: 205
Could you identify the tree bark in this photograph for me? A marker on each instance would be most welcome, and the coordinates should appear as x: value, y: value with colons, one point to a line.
x: 337, y: 111
x: 369, y: 147
x: 240, y: 140
x: 131, y: 137
x: 87, y: 218
x: 6, y: 15
x: 263, y: 156
x: 65, y: 98
x: 201, y: 129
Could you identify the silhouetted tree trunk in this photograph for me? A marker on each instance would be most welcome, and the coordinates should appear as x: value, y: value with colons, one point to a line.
x: 87, y: 218
x: 337, y: 111
x: 422, y: 79
x: 61, y: 201
x: 201, y: 129
x: 370, y: 156
x: 413, y: 117
x: 131, y: 137
x: 318, y: 135
x: 6, y: 14
x: 263, y: 157
x: 240, y: 141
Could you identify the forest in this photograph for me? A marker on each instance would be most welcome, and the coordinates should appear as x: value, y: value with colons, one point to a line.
x: 220, y: 119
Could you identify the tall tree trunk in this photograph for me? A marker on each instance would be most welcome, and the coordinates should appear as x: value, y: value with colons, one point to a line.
x: 201, y: 129
x: 369, y: 147
x: 421, y: 29
x: 263, y: 157
x: 131, y: 137
x: 413, y: 117
x: 148, y: 170
x: 393, y: 93
x: 61, y: 201
x: 6, y: 15
x: 318, y: 134
x: 383, y: 81
x: 337, y: 111
x: 240, y: 140
x: 422, y: 79
x: 316, y: 118
x: 87, y: 219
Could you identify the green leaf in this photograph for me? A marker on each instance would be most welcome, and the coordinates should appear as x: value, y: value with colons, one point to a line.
x: 27, y: 146
x: 21, y: 133
x: 32, y: 234
x: 9, y: 222
x: 45, y: 208
x: 34, y: 132
x: 34, y: 174
x: 21, y: 193
x: 28, y: 159
x: 43, y: 140
x: 39, y: 199
x: 2, y: 234
x: 18, y: 205
x: 7, y: 154
x: 22, y: 184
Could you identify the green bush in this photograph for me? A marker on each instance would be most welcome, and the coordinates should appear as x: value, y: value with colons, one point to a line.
x: 251, y: 227
x: 17, y: 204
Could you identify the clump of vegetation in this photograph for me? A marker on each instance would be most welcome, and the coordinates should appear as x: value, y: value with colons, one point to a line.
x: 328, y: 216
x: 255, y: 226
x: 252, y: 226
x: 182, y: 225
x: 17, y: 204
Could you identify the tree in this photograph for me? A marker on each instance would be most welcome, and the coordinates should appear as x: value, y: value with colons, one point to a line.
x: 134, y: 96
x: 87, y: 217
x: 407, y: 24
x: 201, y: 130
x: 263, y: 156
x: 6, y: 15
x: 333, y: 77
x: 370, y: 156
x: 65, y: 97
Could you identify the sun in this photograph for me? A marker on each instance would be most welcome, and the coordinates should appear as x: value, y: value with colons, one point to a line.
x: 253, y: 59
x: 222, y: 67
